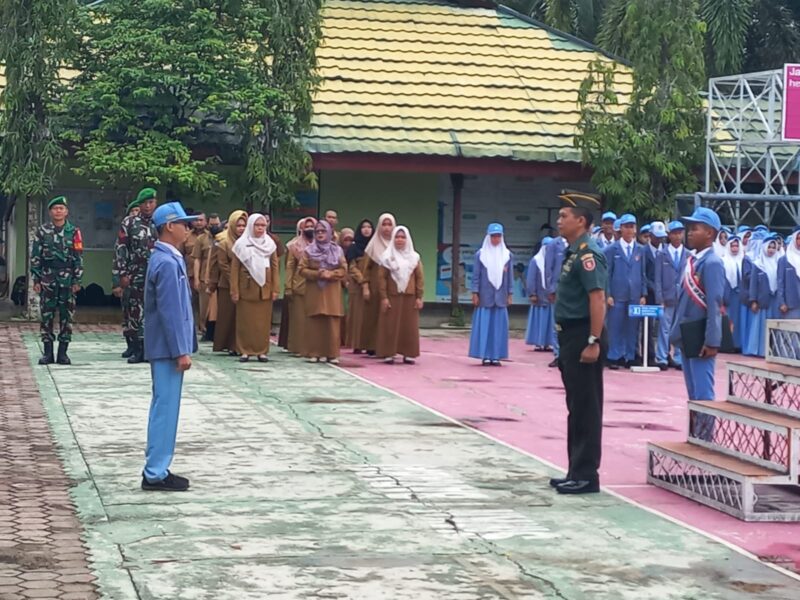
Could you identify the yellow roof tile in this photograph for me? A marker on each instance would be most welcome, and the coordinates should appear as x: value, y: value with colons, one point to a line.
x: 432, y: 77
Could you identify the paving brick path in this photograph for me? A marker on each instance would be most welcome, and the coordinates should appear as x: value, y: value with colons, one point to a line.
x: 41, y: 553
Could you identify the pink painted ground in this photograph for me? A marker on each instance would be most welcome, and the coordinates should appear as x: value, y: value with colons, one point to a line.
x: 522, y: 404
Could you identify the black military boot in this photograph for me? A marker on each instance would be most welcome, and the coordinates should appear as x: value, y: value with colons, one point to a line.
x: 62, y: 358
x: 138, y: 352
x: 129, y: 351
x: 47, y: 355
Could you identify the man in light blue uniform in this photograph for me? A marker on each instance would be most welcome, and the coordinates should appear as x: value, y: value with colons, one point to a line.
x: 553, y: 260
x: 605, y: 237
x: 626, y: 285
x: 670, y: 264
x: 700, y: 298
x: 169, y: 342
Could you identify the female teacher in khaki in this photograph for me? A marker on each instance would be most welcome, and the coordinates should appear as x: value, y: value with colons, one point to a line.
x: 255, y: 281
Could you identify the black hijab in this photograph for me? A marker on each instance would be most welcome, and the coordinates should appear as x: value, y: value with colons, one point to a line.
x: 360, y: 241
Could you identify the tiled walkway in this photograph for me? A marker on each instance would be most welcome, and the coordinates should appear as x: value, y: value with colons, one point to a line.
x: 41, y: 554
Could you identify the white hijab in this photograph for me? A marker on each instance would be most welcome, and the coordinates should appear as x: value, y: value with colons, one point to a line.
x: 254, y: 253
x: 494, y: 258
x: 401, y: 263
x: 720, y: 249
x: 539, y: 258
x: 793, y: 254
x: 769, y: 265
x: 733, y: 263
x: 377, y: 245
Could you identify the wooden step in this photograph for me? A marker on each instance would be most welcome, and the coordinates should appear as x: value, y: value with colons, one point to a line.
x: 751, y: 434
x: 718, y: 460
x: 736, y: 487
x: 773, y: 387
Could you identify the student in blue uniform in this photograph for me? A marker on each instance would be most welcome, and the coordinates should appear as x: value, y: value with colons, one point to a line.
x: 643, y: 236
x: 491, y: 296
x: 658, y: 237
x: 169, y: 342
x: 553, y: 260
x: 789, y: 279
x: 669, y: 265
x: 627, y: 285
x: 763, y: 296
x: 700, y: 297
x: 617, y: 232
x: 606, y: 235
x: 540, y: 332
x: 733, y: 261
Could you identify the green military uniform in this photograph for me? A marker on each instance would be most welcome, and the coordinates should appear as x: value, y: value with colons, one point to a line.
x: 126, y: 294
x: 135, y: 241
x: 584, y: 270
x: 57, y: 266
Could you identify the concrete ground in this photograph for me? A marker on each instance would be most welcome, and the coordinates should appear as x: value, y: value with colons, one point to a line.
x: 309, y: 482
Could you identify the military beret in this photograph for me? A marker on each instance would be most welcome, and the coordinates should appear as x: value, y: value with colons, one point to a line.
x: 145, y: 195
x: 132, y: 205
x: 57, y: 201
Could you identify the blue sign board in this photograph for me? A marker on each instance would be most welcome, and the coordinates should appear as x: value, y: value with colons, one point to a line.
x: 644, y: 311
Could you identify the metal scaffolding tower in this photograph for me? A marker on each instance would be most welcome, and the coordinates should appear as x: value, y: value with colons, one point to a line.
x: 751, y: 173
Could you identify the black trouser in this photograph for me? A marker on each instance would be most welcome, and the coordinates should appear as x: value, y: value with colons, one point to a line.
x: 583, y: 383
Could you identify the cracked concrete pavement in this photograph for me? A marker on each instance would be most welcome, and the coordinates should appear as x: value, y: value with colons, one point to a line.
x: 310, y: 483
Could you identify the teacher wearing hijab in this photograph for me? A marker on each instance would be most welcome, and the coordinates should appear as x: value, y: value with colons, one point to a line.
x: 255, y: 281
x: 356, y: 259
x: 371, y: 287
x: 491, y: 296
x: 324, y: 267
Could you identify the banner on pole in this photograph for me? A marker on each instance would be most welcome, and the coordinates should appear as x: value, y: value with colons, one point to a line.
x: 645, y: 311
x: 791, y: 103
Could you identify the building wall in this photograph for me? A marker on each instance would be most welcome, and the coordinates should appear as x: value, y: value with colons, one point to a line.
x: 411, y: 197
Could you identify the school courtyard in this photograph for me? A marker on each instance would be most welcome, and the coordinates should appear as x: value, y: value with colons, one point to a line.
x: 364, y: 481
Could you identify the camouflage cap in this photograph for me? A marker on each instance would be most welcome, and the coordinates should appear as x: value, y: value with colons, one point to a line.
x: 145, y: 195
x: 57, y: 201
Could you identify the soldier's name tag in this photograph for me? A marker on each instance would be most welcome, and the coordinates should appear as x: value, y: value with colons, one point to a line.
x: 589, y: 263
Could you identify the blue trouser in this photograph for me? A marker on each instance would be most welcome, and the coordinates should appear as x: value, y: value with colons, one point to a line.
x: 162, y: 426
x: 664, y: 327
x: 623, y: 333
x: 699, y: 376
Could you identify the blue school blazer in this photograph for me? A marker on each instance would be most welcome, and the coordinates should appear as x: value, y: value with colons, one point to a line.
x: 553, y: 261
x: 788, y: 285
x: 711, y: 272
x: 168, y: 319
x: 626, y: 277
x: 744, y: 281
x: 759, y: 289
x: 489, y: 296
x: 668, y: 278
x: 534, y: 285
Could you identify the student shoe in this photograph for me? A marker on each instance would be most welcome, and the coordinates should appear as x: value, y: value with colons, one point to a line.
x: 357, y: 351
x: 557, y: 481
x: 408, y: 361
x: 486, y: 362
x: 244, y: 358
x: 263, y: 358
x: 371, y: 353
x: 333, y: 361
x: 233, y: 353
x: 496, y: 363
x: 553, y: 364
x: 312, y: 360
x: 580, y: 486
x: 662, y: 366
x: 171, y: 483
x: 389, y: 360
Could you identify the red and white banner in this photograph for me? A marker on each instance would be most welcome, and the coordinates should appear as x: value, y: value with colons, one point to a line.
x: 791, y: 103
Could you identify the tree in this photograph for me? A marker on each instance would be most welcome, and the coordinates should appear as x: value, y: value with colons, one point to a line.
x: 754, y: 35
x: 644, y: 141
x: 167, y: 89
x: 577, y: 17
x: 32, y: 42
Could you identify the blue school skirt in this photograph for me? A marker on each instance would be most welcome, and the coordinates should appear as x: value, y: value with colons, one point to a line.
x: 489, y: 337
x: 540, y: 330
x: 756, y: 336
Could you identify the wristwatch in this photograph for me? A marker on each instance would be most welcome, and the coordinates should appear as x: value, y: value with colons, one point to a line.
x: 593, y: 339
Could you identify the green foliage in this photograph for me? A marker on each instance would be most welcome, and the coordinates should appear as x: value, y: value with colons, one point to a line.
x: 578, y: 17
x: 32, y: 43
x: 645, y: 146
x: 167, y: 89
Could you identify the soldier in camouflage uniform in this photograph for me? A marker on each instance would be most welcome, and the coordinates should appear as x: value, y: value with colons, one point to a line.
x: 137, y: 236
x: 124, y: 295
x: 57, y: 269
